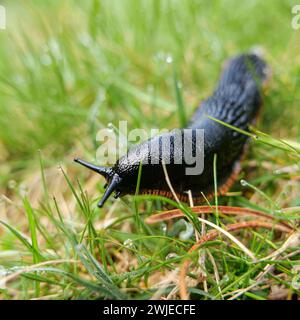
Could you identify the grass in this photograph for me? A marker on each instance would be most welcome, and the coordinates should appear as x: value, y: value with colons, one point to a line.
x: 68, y: 69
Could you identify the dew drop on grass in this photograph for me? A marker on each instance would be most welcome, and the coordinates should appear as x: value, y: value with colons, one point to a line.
x: 163, y: 227
x: 188, y: 232
x: 128, y: 243
x: 171, y: 255
x: 278, y: 171
x: 143, y: 258
x: 296, y: 282
x: 225, y: 278
x: 110, y: 127
x: 169, y: 59
x: 244, y: 183
x: 278, y: 212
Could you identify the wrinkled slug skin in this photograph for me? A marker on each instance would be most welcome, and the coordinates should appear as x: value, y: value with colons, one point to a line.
x: 236, y: 100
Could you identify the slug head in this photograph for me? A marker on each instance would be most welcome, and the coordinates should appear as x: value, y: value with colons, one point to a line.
x: 112, y: 178
x: 123, y: 176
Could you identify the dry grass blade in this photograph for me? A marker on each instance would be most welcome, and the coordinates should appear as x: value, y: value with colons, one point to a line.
x: 231, y: 237
x: 202, y: 256
x: 293, y: 239
x: 226, y: 210
x: 169, y: 182
x: 216, y: 272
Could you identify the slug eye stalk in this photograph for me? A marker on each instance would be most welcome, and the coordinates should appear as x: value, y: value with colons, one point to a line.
x: 113, y: 186
x: 107, y: 172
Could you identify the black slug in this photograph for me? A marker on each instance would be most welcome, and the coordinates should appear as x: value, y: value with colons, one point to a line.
x: 236, y: 101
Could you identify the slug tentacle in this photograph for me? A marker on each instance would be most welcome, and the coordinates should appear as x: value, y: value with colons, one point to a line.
x: 104, y: 171
x: 113, y: 186
x: 236, y: 100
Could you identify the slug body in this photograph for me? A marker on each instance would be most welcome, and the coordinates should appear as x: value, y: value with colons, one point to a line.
x: 235, y: 101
